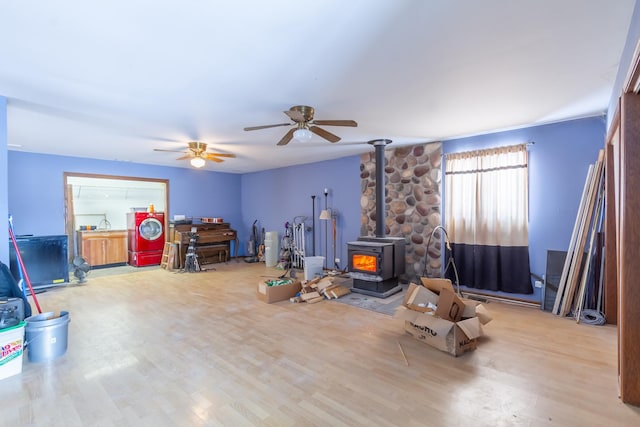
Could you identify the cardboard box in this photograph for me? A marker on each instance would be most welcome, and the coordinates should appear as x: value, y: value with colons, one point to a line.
x: 445, y: 335
x: 453, y: 337
x: 271, y: 294
x: 12, y: 343
x: 435, y: 284
x: 450, y: 307
x: 419, y: 296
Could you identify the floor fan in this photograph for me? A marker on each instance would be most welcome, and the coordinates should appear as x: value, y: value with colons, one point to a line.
x: 80, y: 269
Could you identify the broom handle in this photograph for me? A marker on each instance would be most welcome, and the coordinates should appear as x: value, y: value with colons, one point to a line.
x: 24, y: 270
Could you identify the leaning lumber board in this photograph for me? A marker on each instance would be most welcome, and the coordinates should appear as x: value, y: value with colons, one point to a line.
x: 578, y: 257
x: 584, y: 231
x: 572, y: 242
x: 593, y: 232
x: 315, y: 300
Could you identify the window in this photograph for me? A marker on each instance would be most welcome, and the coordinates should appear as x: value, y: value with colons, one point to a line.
x: 486, y: 217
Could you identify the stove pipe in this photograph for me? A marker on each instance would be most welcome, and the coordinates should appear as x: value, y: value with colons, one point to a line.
x: 379, y: 145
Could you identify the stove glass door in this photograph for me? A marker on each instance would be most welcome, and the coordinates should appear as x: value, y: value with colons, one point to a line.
x: 365, y: 263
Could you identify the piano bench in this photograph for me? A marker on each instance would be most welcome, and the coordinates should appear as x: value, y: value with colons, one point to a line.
x: 205, y: 251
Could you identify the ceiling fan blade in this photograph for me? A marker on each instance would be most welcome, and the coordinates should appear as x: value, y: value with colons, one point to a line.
x: 288, y: 137
x: 325, y: 134
x: 295, y: 115
x: 208, y: 156
x: 351, y: 123
x: 171, y: 151
x: 221, y: 155
x: 267, y: 126
x: 188, y: 156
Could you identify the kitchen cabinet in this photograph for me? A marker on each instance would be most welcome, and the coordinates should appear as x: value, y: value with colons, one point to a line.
x: 103, y: 247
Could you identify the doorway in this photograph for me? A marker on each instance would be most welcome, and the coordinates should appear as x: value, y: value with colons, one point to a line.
x: 101, y: 202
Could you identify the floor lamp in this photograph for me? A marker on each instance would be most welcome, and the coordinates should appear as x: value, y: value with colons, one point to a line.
x: 313, y: 225
x: 326, y: 228
x: 330, y: 214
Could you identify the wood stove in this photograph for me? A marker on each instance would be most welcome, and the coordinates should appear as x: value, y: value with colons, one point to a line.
x: 376, y: 263
x: 370, y: 261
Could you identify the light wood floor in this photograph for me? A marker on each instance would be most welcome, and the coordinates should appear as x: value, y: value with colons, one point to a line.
x: 158, y: 348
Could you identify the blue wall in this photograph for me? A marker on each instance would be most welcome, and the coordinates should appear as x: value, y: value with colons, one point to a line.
x: 559, y: 160
x: 36, y: 190
x: 4, y: 210
x: 558, y: 163
x: 633, y: 35
x: 276, y: 196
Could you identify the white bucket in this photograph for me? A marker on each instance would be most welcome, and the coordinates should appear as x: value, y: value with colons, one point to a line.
x: 46, y: 336
x: 313, y: 266
x: 271, y: 250
x: 271, y: 235
x: 11, y: 350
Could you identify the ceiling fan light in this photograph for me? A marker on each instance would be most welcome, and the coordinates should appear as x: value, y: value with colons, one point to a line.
x: 302, y: 134
x: 197, y: 162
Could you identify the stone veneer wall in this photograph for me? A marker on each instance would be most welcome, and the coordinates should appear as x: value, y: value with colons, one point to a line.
x: 412, y: 203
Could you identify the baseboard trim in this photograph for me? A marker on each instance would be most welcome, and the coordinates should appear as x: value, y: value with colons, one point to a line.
x: 480, y: 296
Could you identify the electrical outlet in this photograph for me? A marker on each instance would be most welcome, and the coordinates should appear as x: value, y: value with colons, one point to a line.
x: 538, y: 284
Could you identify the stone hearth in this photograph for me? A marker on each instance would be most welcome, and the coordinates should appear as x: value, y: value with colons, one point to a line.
x: 412, y: 202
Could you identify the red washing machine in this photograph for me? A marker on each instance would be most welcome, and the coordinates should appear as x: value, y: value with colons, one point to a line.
x: 145, y: 237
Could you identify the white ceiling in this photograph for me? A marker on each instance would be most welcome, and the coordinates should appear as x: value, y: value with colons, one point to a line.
x: 114, y: 80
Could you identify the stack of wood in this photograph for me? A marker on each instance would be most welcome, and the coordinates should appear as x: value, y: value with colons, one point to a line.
x: 318, y: 289
x: 169, y: 256
x: 580, y: 285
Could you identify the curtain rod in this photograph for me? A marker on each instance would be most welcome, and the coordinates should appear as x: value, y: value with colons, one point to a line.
x: 485, y: 150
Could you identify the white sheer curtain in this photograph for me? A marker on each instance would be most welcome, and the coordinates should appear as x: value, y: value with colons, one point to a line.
x: 486, y: 217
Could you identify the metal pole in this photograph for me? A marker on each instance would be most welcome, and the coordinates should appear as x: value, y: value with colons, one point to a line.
x: 379, y: 145
x: 313, y: 225
x: 334, y: 221
x: 326, y: 231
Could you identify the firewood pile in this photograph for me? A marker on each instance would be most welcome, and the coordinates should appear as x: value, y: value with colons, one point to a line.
x: 318, y: 289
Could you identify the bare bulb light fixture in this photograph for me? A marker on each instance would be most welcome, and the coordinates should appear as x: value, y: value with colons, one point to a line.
x: 197, y: 162
x: 302, y: 134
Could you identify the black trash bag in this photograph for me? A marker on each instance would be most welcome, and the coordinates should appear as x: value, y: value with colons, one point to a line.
x: 9, y: 288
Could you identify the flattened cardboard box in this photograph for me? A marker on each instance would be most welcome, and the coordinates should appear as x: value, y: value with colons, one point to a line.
x: 437, y: 285
x: 271, y: 294
x: 450, y: 307
x: 454, y: 338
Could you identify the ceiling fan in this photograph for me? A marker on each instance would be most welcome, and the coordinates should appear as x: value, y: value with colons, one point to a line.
x: 302, y: 117
x: 198, y: 154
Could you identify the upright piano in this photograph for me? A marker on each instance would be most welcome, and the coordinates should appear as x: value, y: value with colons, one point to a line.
x: 213, y: 243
